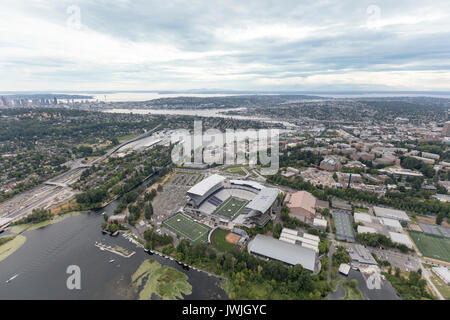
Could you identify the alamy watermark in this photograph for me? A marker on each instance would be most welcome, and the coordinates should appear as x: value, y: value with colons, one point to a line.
x: 374, y: 17
x: 246, y: 147
x: 73, y: 282
x: 74, y: 18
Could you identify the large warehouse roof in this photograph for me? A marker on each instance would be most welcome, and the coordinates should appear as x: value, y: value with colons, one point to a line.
x: 362, y: 217
x: 205, y: 185
x: 264, y: 200
x: 391, y: 213
x: 363, y: 229
x: 282, y: 251
x: 401, y: 238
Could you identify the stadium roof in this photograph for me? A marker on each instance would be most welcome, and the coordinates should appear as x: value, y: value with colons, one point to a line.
x: 264, y: 199
x: 252, y: 184
x: 391, y: 213
x: 283, y: 251
x: 205, y: 185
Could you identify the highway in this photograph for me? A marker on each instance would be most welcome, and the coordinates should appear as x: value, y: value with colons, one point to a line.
x: 57, y: 189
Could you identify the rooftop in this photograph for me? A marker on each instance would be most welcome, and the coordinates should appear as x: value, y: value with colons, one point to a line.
x: 302, y: 199
x: 205, y: 185
x: 264, y: 200
x: 282, y: 251
x: 391, y: 213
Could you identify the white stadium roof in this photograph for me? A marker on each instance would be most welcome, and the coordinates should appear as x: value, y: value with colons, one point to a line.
x: 201, y: 188
x: 264, y: 200
x: 282, y: 251
x: 252, y: 184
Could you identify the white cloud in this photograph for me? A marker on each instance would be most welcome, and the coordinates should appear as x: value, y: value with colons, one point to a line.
x: 229, y: 45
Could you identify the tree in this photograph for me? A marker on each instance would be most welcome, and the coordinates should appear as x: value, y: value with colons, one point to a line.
x: 148, y: 211
x: 277, y: 230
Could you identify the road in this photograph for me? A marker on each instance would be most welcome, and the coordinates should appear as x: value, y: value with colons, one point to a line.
x: 426, y: 275
x: 58, y: 187
x: 331, y: 251
x: 110, y: 152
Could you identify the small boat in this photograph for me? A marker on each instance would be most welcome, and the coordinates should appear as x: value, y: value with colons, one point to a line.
x: 111, y: 261
x: 12, y: 278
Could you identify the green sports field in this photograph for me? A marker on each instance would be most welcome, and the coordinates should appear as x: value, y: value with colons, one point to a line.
x: 219, y: 241
x: 231, y: 208
x: 432, y: 246
x: 188, y: 228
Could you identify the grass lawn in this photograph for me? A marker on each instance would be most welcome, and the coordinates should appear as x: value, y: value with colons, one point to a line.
x: 11, y: 246
x: 33, y: 226
x: 351, y: 291
x: 231, y: 208
x: 188, y: 228
x: 432, y: 246
x: 219, y: 241
x: 164, y: 282
x: 128, y: 137
x: 440, y: 285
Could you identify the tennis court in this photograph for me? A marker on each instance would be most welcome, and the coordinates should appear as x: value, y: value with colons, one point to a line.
x: 186, y: 227
x: 344, y: 226
x: 231, y: 208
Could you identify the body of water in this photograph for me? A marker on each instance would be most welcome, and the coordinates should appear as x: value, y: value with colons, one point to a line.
x: 41, y: 264
x: 210, y: 113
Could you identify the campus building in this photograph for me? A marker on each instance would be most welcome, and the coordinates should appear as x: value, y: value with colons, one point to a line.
x: 290, y: 254
x: 389, y: 213
x: 302, y: 205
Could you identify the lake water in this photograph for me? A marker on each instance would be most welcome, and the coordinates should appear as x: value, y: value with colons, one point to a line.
x: 41, y: 264
x: 212, y: 113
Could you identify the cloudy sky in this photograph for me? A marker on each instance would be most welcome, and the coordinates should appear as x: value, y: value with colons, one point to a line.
x: 233, y: 45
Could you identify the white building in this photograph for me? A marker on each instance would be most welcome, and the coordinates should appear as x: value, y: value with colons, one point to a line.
x: 363, y: 229
x: 443, y: 273
x: 401, y: 238
x: 389, y: 213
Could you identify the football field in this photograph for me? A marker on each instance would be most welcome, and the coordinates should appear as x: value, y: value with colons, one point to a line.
x: 231, y: 208
x: 186, y: 227
x: 432, y: 246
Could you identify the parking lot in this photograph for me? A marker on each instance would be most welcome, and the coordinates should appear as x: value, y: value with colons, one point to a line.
x: 173, y: 196
x: 403, y: 261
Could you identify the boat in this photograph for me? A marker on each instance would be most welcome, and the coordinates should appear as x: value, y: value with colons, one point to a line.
x: 12, y: 278
x: 111, y: 261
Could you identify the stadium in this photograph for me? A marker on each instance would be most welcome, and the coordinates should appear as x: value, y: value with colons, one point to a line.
x: 231, y: 202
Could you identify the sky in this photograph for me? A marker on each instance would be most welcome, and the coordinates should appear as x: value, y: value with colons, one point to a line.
x: 266, y: 45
